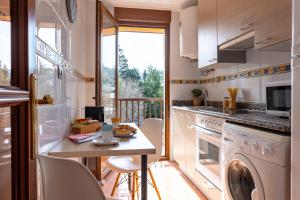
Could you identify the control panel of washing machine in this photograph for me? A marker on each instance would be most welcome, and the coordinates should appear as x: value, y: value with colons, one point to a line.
x: 257, y: 143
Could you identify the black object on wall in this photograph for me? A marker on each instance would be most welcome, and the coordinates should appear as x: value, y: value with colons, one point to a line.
x: 95, y: 112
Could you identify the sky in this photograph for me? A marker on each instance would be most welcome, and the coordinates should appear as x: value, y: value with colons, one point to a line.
x: 141, y: 50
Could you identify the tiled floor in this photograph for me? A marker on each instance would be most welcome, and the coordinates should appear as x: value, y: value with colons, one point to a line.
x: 172, y: 184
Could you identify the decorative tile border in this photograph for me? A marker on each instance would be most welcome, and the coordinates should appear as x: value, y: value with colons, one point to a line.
x: 264, y: 71
x: 46, y: 52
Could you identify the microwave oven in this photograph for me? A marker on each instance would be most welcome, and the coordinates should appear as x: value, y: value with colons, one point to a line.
x: 278, y: 98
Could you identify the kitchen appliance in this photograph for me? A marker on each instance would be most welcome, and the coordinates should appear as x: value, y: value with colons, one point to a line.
x: 295, y: 134
x: 95, y: 112
x: 256, y: 164
x: 188, y: 28
x: 278, y: 97
x: 209, y: 148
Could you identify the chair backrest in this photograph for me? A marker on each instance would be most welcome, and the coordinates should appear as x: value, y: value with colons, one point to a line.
x: 64, y: 179
x: 152, y: 128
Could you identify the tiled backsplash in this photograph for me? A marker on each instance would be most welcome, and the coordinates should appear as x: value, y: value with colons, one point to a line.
x: 250, y: 78
x: 262, y: 71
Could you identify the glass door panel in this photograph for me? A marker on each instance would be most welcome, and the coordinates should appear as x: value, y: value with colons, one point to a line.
x: 5, y: 78
x: 108, y: 96
x: 5, y: 154
x: 106, y: 59
x: 5, y: 43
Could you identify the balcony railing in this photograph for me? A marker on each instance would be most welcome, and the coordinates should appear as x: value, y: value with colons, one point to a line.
x: 137, y: 109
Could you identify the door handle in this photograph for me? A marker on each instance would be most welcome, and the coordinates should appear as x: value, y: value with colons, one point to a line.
x: 33, y: 115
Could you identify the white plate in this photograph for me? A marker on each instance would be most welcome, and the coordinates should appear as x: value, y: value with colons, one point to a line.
x: 101, y: 142
x: 129, y: 135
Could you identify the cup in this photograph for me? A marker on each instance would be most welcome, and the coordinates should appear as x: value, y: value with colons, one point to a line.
x: 115, y: 122
x: 107, y: 136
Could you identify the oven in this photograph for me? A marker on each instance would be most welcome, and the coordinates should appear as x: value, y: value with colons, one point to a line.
x: 209, y: 153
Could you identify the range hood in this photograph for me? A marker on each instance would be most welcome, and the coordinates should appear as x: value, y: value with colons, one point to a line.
x: 245, y: 41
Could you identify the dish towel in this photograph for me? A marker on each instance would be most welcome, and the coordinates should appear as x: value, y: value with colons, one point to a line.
x: 81, y: 138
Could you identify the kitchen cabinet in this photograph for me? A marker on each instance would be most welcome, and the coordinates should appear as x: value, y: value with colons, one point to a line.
x: 179, y: 137
x: 207, y: 33
x: 274, y: 24
x: 208, y: 51
x: 235, y: 18
x: 190, y: 147
x: 184, y: 142
x: 210, y: 191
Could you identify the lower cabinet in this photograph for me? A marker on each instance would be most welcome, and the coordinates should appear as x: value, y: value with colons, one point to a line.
x: 190, y: 144
x: 179, y: 137
x: 184, y: 151
x: 206, y: 187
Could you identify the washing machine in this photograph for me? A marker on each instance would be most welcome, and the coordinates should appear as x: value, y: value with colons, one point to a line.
x: 256, y: 164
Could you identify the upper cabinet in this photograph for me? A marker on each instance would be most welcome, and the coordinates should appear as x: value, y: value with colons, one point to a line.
x: 188, y: 33
x: 226, y: 28
x: 274, y: 25
x: 235, y: 18
x: 207, y: 33
x: 208, y: 51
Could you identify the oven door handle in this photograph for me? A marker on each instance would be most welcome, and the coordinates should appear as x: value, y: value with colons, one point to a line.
x: 209, y: 136
x: 207, y: 132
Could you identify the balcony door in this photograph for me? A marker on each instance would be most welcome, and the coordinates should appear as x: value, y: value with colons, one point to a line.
x: 106, y: 62
x: 17, y: 61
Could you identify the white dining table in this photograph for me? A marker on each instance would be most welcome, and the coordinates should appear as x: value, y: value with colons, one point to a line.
x: 139, y: 144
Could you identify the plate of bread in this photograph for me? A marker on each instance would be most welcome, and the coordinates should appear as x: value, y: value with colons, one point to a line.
x: 124, y: 131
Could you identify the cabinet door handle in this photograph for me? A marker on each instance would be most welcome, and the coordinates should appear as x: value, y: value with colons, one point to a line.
x: 250, y: 25
x: 264, y: 41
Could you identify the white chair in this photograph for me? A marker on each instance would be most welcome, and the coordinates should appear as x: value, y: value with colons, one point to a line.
x: 65, y: 179
x: 152, y: 128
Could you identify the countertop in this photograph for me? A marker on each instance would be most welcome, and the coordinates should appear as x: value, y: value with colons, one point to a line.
x: 245, y: 117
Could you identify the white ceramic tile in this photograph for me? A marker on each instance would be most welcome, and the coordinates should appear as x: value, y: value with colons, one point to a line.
x: 53, y: 125
x: 182, y: 91
x: 249, y: 90
x: 296, y: 62
x: 295, y: 132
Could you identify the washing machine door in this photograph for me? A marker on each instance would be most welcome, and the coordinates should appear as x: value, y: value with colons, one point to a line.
x: 242, y: 181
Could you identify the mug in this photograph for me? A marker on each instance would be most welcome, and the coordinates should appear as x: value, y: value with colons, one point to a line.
x: 107, y: 136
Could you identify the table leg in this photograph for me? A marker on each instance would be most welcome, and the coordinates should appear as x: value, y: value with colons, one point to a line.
x: 144, y: 177
x: 129, y: 181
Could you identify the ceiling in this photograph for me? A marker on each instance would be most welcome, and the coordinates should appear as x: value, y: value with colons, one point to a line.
x: 175, y: 5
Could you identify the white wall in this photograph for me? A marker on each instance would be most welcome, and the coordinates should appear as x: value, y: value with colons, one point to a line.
x: 179, y: 69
